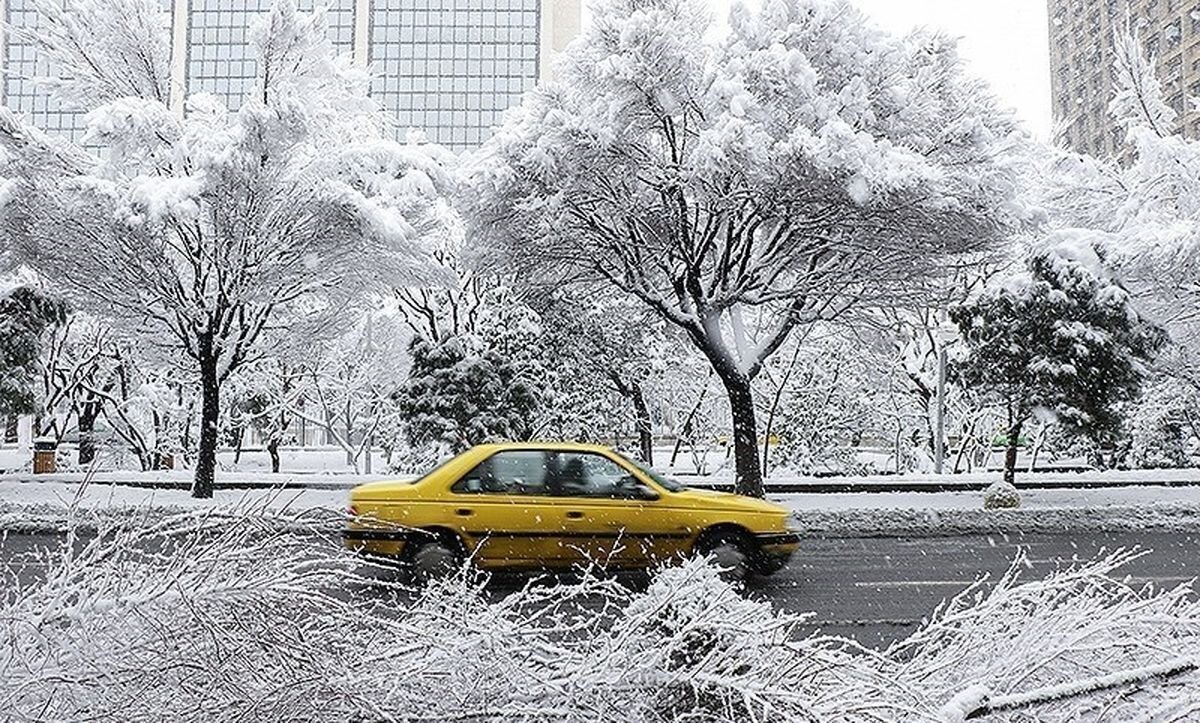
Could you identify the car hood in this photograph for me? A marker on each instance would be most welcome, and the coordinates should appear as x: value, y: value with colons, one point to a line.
x: 729, y: 501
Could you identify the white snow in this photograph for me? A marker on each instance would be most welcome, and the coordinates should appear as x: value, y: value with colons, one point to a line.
x: 964, y: 704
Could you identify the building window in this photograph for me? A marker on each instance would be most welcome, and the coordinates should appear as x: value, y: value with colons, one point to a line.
x: 1173, y: 34
x: 221, y: 59
x: 1152, y: 45
x: 452, y: 67
x: 21, y: 94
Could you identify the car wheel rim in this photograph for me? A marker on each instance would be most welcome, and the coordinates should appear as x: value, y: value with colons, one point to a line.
x: 433, y: 561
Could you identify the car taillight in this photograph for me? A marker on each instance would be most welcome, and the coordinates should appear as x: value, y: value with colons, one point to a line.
x: 352, y: 511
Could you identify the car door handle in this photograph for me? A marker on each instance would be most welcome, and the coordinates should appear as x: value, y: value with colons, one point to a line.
x: 574, y: 515
x: 464, y: 512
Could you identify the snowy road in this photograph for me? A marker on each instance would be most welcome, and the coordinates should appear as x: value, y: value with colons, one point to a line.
x: 873, y: 589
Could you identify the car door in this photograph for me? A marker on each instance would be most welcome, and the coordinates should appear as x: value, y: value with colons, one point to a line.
x: 603, y: 520
x: 503, y: 511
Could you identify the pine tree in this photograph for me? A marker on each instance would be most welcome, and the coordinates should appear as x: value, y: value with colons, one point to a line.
x: 25, y: 315
x: 460, y: 396
x: 1060, y: 338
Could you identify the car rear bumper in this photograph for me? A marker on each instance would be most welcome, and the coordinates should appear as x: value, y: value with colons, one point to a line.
x: 380, y: 541
x: 370, y: 534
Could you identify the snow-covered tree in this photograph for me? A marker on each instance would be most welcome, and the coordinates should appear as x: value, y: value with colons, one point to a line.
x: 604, y: 346
x: 823, y: 404
x: 77, y: 358
x: 1145, y: 207
x: 211, y: 228
x: 26, y: 315
x: 1163, y: 425
x: 474, y: 388
x: 1061, y: 340
x: 349, y: 388
x: 261, y: 397
x: 806, y: 163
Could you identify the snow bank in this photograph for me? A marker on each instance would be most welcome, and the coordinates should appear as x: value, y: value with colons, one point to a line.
x: 224, y: 617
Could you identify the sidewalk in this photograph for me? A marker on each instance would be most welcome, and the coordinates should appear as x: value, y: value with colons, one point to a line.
x: 182, y: 480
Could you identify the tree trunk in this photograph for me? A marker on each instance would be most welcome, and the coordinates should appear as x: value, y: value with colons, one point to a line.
x: 748, y: 480
x: 238, y: 437
x: 87, y: 427
x: 686, y: 429
x: 210, y: 408
x: 643, y: 423
x: 1010, y: 451
x: 273, y: 450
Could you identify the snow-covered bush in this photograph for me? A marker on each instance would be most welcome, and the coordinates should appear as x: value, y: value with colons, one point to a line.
x: 1001, y: 495
x: 239, y: 616
x: 1162, y: 425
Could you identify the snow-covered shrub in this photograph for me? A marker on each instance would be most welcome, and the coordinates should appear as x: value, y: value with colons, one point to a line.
x: 410, y: 459
x: 1001, y: 495
x: 237, y: 616
x: 1058, y: 636
x: 1161, y: 425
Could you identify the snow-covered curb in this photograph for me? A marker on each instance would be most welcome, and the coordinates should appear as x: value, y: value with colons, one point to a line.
x: 1166, y: 517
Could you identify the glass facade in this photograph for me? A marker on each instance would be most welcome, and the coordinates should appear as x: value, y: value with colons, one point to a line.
x: 447, y: 67
x: 452, y: 67
x: 21, y: 94
x: 220, y: 58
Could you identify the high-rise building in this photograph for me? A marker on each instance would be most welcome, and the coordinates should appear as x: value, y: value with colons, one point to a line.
x: 1081, y: 64
x: 447, y: 67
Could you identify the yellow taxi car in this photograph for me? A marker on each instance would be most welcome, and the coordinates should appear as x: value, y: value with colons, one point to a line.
x: 556, y: 506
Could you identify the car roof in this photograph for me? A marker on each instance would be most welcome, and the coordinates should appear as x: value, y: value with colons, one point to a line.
x: 545, y: 446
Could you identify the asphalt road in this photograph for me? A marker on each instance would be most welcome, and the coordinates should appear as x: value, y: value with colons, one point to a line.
x: 875, y: 590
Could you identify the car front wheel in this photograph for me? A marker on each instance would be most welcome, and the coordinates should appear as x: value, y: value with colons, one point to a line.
x: 729, y: 551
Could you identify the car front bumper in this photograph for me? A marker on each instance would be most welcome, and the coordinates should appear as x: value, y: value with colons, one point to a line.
x: 776, y: 548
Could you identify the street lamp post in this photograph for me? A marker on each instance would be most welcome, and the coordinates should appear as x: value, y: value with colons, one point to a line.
x: 945, y: 335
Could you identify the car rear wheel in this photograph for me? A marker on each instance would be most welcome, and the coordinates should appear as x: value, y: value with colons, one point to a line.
x: 433, y: 560
x: 728, y: 550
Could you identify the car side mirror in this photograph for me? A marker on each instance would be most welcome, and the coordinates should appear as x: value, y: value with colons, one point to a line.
x: 644, y: 492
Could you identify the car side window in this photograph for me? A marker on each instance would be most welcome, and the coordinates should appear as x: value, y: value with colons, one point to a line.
x: 515, y: 472
x: 583, y: 474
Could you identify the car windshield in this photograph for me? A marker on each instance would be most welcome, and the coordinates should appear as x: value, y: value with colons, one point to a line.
x: 665, y: 482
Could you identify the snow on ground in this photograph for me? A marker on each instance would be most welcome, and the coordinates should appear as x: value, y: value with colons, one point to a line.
x: 43, y: 504
x: 292, y: 460
x: 182, y: 479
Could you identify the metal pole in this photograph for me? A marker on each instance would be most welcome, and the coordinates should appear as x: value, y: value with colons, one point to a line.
x: 939, y: 440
